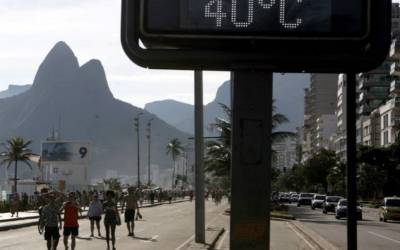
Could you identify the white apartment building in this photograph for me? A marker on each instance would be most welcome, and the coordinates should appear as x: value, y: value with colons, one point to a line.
x: 389, y: 121
x: 285, y: 155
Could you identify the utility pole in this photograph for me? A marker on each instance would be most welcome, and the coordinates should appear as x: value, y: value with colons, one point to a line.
x: 251, y: 160
x: 138, y: 146
x: 199, y: 153
x: 148, y: 150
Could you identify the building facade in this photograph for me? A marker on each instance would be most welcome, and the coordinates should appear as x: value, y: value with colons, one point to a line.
x: 319, y: 113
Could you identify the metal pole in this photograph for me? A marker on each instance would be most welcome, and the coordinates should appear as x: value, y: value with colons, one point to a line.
x: 137, y: 126
x: 148, y: 150
x: 15, y: 175
x: 199, y: 153
x: 251, y: 160
x: 351, y: 163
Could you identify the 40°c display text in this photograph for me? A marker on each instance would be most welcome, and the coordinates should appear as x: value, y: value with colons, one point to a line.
x: 214, y: 9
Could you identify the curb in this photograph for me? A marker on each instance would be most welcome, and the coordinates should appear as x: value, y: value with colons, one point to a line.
x: 20, y: 218
x: 313, y: 237
x: 33, y: 223
x: 212, y: 245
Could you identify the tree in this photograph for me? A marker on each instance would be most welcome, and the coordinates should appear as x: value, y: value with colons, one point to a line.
x: 16, y: 151
x: 174, y: 148
x: 113, y: 184
x: 337, y: 179
x: 377, y: 171
x: 317, y: 168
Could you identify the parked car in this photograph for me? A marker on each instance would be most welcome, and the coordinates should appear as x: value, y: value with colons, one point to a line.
x: 341, y: 210
x: 294, y: 197
x: 284, y: 198
x: 317, y: 201
x: 305, y: 199
x: 330, y: 204
x: 390, y: 209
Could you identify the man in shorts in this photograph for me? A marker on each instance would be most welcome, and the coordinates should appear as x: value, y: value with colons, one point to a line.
x: 131, y: 205
x: 71, y: 226
x: 50, y: 214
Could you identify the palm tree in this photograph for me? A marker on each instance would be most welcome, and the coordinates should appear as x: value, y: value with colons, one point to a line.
x: 16, y: 150
x: 174, y: 148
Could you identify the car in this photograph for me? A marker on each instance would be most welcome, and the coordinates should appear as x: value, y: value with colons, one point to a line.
x: 305, y: 199
x: 317, y: 201
x: 341, y: 210
x: 390, y: 209
x: 330, y: 204
x: 284, y: 198
x: 294, y: 197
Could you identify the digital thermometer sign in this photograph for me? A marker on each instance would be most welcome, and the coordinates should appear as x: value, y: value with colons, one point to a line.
x: 276, y: 35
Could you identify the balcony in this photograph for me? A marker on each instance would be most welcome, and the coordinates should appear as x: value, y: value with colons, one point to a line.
x: 395, y: 69
x: 339, y: 112
x: 368, y: 83
x: 395, y: 87
x: 395, y: 50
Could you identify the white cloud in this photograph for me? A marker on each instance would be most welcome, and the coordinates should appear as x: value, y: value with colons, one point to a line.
x: 91, y: 27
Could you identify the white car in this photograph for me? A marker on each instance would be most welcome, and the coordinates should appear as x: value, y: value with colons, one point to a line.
x: 317, y: 201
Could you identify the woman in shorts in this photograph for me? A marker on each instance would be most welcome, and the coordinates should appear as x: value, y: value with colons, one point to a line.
x: 111, y: 218
x: 94, y: 214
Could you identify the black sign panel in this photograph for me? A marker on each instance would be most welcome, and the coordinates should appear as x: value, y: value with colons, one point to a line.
x: 274, y: 35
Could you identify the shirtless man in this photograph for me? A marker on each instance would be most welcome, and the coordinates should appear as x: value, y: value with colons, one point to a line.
x: 131, y: 205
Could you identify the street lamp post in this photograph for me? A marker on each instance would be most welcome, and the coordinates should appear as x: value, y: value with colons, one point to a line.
x: 138, y: 146
x: 148, y: 149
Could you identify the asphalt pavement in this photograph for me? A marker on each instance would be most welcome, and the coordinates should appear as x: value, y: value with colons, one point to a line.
x: 372, y: 234
x: 170, y: 226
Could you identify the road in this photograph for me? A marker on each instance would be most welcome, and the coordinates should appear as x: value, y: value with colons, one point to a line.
x: 372, y: 234
x: 163, y: 227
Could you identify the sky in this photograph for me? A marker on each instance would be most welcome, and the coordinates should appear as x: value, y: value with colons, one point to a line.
x: 30, y: 28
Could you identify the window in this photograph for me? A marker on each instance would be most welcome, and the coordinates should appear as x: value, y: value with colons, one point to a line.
x: 385, y: 137
x: 385, y: 121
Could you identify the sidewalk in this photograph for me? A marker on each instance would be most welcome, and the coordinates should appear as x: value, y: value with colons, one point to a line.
x: 285, y: 235
x: 30, y: 218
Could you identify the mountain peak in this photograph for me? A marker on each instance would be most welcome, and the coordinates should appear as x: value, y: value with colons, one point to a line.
x: 93, y: 77
x: 61, y: 52
x: 59, y: 64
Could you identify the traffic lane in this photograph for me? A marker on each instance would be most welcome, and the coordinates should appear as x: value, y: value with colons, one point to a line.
x: 372, y: 234
x: 162, y: 227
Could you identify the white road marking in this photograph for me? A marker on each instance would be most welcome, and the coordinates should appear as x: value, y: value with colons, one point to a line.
x: 384, y: 237
x: 301, y: 236
x: 184, y: 243
x: 192, y: 237
x: 222, y: 240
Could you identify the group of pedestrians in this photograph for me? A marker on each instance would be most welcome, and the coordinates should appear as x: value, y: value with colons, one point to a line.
x: 50, y: 215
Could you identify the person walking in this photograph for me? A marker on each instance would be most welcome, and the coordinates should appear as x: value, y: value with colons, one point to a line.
x: 14, y: 208
x: 111, y: 218
x: 71, y: 227
x: 94, y: 214
x: 131, y: 203
x: 51, y: 216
